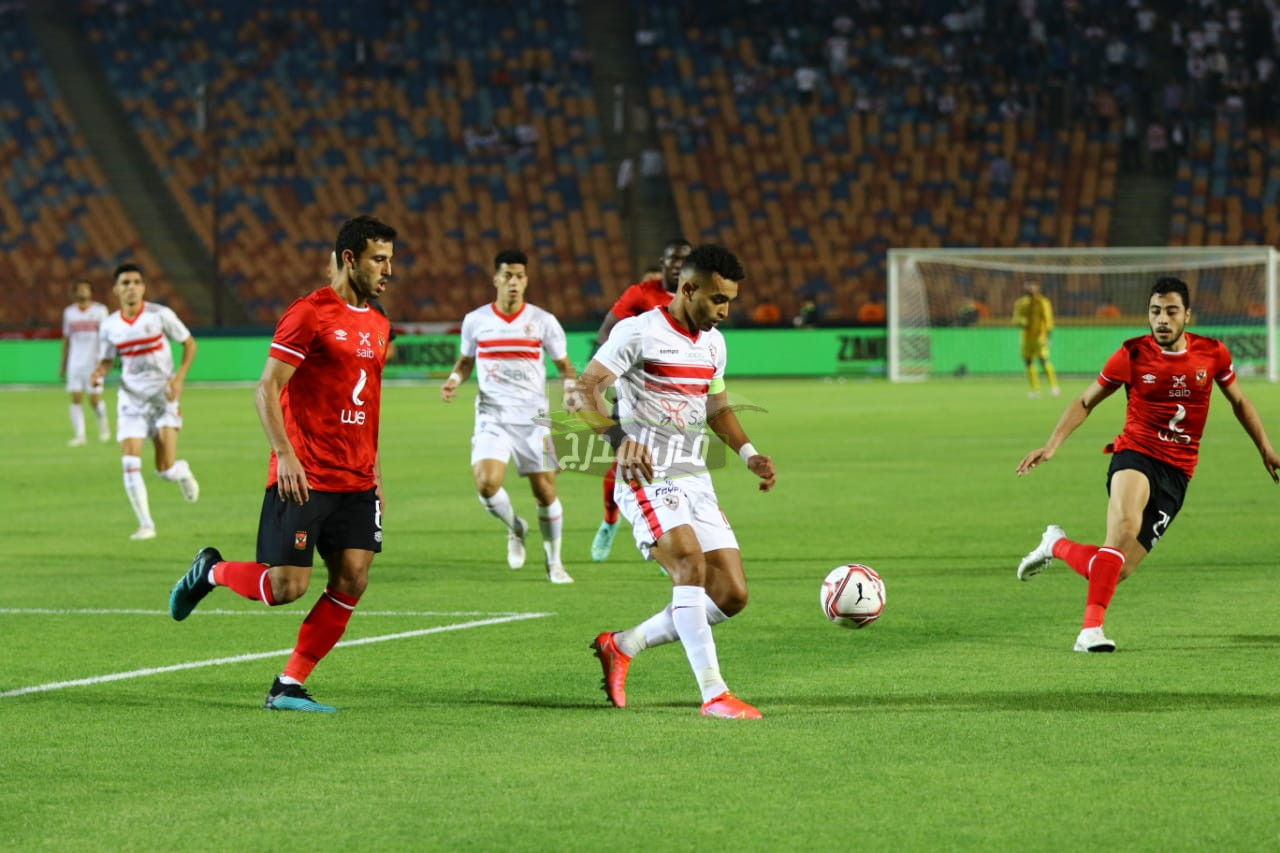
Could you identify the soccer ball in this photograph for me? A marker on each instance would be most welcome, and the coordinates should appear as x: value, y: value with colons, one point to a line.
x: 852, y: 596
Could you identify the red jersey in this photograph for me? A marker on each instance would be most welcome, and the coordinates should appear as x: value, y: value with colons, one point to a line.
x: 332, y: 401
x: 642, y: 297
x: 1168, y: 395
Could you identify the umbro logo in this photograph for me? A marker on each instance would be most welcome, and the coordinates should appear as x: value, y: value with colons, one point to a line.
x: 341, y: 334
x: 1148, y: 379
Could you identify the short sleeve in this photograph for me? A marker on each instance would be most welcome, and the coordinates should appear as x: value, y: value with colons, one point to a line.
x: 1116, y: 370
x: 174, y: 328
x: 627, y: 304
x: 295, y: 332
x: 468, y: 346
x: 554, y: 342
x: 1224, y: 369
x: 622, y: 350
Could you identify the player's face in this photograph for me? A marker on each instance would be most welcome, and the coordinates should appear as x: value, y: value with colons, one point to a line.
x: 672, y: 261
x: 82, y: 294
x: 1168, y: 318
x: 130, y: 290
x: 370, y: 271
x: 510, y: 280
x: 708, y: 297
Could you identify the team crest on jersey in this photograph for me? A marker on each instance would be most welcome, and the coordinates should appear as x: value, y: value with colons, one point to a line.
x: 671, y: 499
x: 1202, y: 376
x: 300, y: 540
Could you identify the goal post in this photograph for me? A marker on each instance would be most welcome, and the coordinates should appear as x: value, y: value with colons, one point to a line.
x: 950, y: 310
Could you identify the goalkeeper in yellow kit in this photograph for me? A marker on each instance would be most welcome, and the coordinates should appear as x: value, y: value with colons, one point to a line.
x: 1033, y: 314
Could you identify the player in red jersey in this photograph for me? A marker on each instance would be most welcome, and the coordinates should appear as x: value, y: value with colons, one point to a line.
x: 634, y: 301
x: 1169, y: 377
x: 319, y: 400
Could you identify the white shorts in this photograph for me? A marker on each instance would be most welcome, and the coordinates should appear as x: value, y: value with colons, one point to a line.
x: 78, y: 381
x: 530, y: 444
x: 143, y: 418
x: 657, y: 507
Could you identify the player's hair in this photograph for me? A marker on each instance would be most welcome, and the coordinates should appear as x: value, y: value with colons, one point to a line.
x: 357, y: 231
x: 1169, y: 284
x: 675, y: 243
x: 124, y: 268
x: 79, y: 282
x: 509, y: 256
x: 710, y: 258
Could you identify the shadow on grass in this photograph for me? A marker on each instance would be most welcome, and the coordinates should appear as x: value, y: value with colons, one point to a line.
x: 1102, y: 702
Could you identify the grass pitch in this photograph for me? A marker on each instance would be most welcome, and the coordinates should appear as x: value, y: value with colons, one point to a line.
x: 960, y: 720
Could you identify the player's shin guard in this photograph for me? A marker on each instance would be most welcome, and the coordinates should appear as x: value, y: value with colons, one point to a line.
x: 659, y: 629
x: 610, y: 505
x: 1076, y: 555
x: 1104, y: 574
x: 320, y: 632
x: 689, y: 613
x: 499, y: 506
x: 77, y: 420
x: 248, y: 580
x: 136, y: 489
x: 551, y: 524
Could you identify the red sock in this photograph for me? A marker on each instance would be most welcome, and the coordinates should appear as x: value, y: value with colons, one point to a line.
x: 1075, y: 555
x: 320, y: 632
x: 610, y: 507
x: 1104, y: 574
x: 246, y: 579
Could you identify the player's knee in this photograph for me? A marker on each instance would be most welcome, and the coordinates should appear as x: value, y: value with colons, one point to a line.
x: 286, y: 588
x: 487, y: 487
x: 733, y: 600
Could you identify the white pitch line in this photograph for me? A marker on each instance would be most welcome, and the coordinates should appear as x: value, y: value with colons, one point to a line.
x: 272, y: 611
x: 178, y: 667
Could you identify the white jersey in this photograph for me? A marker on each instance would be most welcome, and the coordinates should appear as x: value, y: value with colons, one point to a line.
x: 145, y: 356
x: 80, y: 328
x: 510, y: 368
x: 664, y: 375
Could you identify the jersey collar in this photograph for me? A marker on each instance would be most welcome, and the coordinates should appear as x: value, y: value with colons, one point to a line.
x: 508, y: 318
x: 693, y: 336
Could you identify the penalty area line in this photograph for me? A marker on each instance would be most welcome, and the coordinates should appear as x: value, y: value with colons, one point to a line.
x: 200, y: 664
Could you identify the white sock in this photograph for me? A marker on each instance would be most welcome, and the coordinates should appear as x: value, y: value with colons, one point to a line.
x: 100, y: 411
x: 136, y: 488
x: 77, y: 420
x: 499, y: 506
x: 659, y: 629
x: 175, y: 472
x: 551, y: 523
x: 689, y: 613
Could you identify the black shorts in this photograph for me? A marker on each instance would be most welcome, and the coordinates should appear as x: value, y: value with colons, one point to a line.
x: 330, y: 522
x: 1168, y: 490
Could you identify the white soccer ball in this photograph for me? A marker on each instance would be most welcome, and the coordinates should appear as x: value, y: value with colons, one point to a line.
x: 852, y: 596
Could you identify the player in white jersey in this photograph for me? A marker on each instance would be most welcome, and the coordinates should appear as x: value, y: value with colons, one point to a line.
x: 506, y: 340
x: 150, y: 388
x: 668, y: 365
x: 80, y: 322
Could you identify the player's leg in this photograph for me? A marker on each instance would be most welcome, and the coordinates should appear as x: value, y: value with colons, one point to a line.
x: 286, y: 545
x: 602, y: 543
x: 550, y: 523
x: 1029, y: 364
x: 491, y: 447
x: 133, y: 430
x: 349, y: 538
x: 168, y: 466
x: 1130, y: 491
x: 1049, y: 373
x: 99, y: 405
x: 76, y: 411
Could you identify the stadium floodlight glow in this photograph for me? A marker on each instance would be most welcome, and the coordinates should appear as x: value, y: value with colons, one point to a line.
x: 938, y: 298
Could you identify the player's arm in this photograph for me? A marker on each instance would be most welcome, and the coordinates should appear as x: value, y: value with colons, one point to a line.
x: 1020, y: 313
x: 568, y: 379
x: 180, y: 375
x: 266, y: 399
x: 634, y: 459
x: 460, y: 373
x: 723, y: 421
x: 103, y: 368
x: 66, y: 350
x: 1247, y: 415
x: 1074, y: 415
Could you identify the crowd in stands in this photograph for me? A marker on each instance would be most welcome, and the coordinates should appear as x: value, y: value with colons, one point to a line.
x: 810, y: 137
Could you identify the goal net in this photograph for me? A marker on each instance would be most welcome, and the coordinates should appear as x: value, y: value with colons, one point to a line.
x: 950, y: 311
